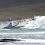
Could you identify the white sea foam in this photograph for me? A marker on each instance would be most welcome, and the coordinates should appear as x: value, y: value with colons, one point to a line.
x: 6, y: 23
x: 5, y: 29
x: 43, y: 32
x: 39, y: 22
x: 34, y: 41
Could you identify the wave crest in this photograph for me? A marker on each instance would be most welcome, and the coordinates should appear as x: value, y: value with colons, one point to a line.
x: 39, y: 22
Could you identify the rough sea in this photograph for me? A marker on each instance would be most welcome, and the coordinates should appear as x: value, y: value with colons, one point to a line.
x: 32, y: 33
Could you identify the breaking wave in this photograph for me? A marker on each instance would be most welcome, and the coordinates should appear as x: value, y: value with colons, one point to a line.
x: 38, y: 22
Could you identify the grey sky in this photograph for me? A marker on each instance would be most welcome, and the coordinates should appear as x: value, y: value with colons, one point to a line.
x: 13, y: 3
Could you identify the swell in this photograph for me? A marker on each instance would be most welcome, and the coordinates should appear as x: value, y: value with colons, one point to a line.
x: 38, y: 22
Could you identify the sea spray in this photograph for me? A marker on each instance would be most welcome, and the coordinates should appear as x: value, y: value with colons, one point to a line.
x: 38, y: 22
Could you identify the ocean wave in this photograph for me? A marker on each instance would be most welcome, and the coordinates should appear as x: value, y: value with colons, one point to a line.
x: 38, y: 22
